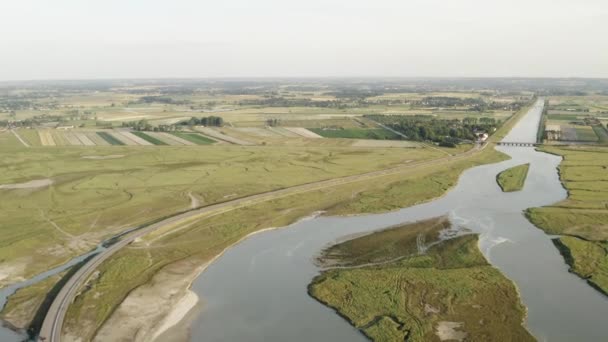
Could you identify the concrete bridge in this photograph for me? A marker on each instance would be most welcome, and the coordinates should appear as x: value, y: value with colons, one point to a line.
x: 520, y: 144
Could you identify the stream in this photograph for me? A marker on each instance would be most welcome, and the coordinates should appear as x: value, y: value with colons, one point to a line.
x: 257, y: 290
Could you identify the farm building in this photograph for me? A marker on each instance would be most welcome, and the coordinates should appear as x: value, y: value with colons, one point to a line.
x: 553, y: 132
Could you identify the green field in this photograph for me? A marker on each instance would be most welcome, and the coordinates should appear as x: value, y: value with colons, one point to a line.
x: 586, y: 133
x: 194, y: 138
x: 354, y: 133
x: 513, y: 179
x: 582, y: 219
x: 602, y: 133
x: 149, y: 138
x: 30, y: 136
x: 110, y: 139
x: 450, y: 288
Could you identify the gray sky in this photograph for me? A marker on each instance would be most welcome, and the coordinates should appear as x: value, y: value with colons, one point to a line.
x: 70, y: 39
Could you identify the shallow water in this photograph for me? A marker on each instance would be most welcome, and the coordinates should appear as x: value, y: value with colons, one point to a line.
x: 256, y: 291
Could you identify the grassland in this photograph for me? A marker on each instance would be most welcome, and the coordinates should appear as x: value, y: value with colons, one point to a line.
x: 513, y: 179
x: 448, y: 292
x: 582, y: 219
x: 93, y: 196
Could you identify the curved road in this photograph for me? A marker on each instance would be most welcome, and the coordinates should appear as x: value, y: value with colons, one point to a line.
x: 53, y: 321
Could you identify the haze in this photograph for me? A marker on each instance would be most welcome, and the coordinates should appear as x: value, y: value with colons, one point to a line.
x: 271, y: 38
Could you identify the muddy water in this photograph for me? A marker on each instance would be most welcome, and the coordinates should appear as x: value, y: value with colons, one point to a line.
x: 257, y: 290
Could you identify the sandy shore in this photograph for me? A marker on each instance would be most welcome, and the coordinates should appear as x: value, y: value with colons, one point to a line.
x: 185, y: 305
x: 38, y: 183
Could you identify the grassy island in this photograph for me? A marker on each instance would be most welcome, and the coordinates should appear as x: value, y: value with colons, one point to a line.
x: 513, y: 179
x: 406, y: 283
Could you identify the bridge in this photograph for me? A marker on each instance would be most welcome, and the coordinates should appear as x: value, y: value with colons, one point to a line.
x: 520, y: 144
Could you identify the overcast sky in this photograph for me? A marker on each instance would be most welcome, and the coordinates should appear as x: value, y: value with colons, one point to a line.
x: 75, y: 39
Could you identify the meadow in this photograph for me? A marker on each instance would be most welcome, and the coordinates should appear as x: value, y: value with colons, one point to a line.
x: 582, y: 218
x: 101, y: 190
x: 448, y: 292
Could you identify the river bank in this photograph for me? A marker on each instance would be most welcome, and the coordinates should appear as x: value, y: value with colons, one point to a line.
x: 151, y: 312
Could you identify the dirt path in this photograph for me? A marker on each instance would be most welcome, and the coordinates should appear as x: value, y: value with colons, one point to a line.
x: 194, y: 202
x: 20, y: 138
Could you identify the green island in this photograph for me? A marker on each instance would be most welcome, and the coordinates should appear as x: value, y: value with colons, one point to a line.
x: 513, y: 179
x: 581, y: 219
x: 406, y: 283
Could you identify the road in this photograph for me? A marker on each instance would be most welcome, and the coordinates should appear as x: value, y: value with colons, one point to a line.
x: 53, y: 322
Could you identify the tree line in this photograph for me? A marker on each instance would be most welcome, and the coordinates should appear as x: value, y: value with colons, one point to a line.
x: 215, y: 121
x: 446, y: 132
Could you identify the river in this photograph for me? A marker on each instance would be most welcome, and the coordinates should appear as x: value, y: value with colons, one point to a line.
x: 256, y: 291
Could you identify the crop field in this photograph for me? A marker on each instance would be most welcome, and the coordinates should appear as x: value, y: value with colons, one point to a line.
x: 448, y: 292
x: 513, y: 179
x: 51, y: 137
x: 148, y: 138
x: 580, y: 118
x: 582, y: 219
x: 354, y: 133
x: 194, y: 138
x: 222, y: 136
x: 602, y: 133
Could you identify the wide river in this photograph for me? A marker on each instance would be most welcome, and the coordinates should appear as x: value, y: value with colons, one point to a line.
x: 256, y: 291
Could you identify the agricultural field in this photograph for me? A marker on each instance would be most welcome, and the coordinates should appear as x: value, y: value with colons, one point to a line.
x: 580, y: 119
x: 314, y: 106
x: 513, y: 179
x: 357, y: 133
x: 582, y: 219
x: 117, y: 137
x: 448, y: 292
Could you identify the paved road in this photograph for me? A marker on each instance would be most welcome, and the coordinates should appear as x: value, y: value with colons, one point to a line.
x: 53, y: 322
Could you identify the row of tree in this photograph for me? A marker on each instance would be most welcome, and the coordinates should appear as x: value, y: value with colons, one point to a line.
x: 215, y: 121
x: 443, y: 131
x: 144, y: 125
